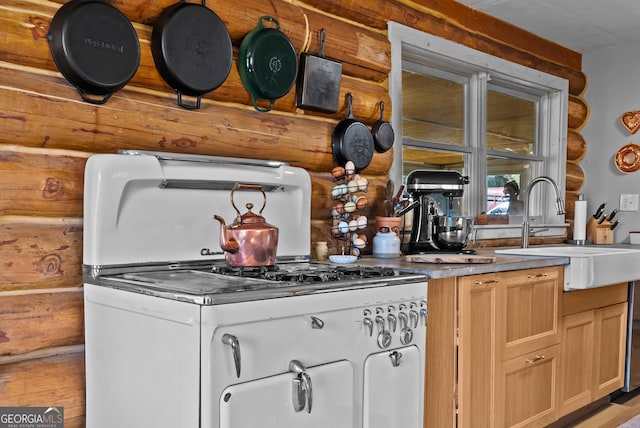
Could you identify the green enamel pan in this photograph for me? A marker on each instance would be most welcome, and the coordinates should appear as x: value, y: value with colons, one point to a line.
x: 267, y: 63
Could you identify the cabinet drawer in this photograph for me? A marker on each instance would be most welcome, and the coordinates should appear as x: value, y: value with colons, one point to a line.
x: 529, y: 316
x: 526, y: 389
x: 592, y: 298
x: 533, y: 275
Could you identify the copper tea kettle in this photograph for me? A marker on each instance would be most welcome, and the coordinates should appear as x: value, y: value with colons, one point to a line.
x: 249, y: 240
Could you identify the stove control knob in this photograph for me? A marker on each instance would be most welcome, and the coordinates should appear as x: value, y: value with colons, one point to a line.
x: 404, y: 321
x: 384, y: 339
x: 368, y: 324
x: 406, y: 336
x: 413, y: 316
x: 423, y: 316
x: 380, y: 323
x: 393, y: 322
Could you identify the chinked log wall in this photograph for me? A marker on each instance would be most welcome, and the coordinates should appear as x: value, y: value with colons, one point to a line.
x: 47, y: 133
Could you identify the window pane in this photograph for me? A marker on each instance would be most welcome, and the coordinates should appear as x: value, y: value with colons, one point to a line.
x: 511, y: 124
x: 432, y: 109
x: 418, y: 158
x: 505, y: 178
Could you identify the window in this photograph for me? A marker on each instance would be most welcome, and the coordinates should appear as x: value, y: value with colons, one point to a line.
x: 455, y: 108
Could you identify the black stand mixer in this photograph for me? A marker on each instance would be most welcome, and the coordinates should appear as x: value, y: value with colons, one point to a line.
x: 434, y: 229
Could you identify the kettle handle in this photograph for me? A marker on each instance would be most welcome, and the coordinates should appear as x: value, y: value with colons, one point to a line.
x: 248, y: 186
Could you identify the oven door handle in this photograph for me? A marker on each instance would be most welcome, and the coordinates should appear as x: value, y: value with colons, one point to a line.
x: 302, y: 390
x: 231, y: 340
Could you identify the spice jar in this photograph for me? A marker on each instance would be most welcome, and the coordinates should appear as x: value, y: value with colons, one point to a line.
x: 322, y: 251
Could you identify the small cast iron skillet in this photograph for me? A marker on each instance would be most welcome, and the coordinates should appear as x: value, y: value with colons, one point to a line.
x: 382, y: 131
x: 352, y: 141
x: 318, y: 85
x: 95, y: 48
x: 192, y: 50
x: 267, y: 63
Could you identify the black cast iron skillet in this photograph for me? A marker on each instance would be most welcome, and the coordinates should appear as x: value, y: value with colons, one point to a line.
x: 352, y: 141
x: 382, y: 132
x: 318, y: 86
x: 267, y: 63
x: 192, y: 50
x: 95, y: 48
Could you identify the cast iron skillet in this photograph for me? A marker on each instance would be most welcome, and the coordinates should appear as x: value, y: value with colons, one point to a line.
x: 191, y: 48
x: 352, y: 141
x: 95, y: 48
x: 318, y: 85
x: 267, y: 63
x: 382, y: 132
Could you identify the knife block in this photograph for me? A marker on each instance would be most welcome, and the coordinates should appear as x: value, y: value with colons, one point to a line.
x: 599, y: 233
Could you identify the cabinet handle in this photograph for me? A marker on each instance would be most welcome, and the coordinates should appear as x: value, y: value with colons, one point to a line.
x: 491, y: 281
x: 534, y: 359
x: 538, y: 275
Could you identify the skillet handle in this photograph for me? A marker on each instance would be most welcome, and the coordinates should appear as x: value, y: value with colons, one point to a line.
x: 188, y: 106
x: 263, y: 109
x: 85, y: 97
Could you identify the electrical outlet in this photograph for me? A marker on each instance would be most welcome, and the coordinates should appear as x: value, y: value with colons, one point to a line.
x: 628, y: 202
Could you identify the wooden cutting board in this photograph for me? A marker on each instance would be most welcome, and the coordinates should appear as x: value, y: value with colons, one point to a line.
x: 449, y: 258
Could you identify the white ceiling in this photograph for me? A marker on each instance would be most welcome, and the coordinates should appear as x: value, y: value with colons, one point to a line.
x: 580, y: 25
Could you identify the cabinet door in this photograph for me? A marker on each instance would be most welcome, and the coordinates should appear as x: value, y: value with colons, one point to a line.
x: 609, y: 343
x: 576, y: 381
x: 392, y: 389
x: 529, y: 317
x: 268, y: 402
x: 478, y: 297
x: 526, y: 389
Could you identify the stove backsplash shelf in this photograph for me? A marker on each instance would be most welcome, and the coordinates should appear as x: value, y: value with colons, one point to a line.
x: 144, y: 209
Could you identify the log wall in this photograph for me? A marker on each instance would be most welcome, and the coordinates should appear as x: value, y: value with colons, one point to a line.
x: 48, y: 132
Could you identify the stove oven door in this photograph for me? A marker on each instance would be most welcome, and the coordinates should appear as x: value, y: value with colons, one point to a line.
x: 283, y: 400
x: 392, y: 396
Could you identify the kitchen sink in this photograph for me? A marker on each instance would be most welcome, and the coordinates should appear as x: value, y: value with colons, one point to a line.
x: 589, y: 266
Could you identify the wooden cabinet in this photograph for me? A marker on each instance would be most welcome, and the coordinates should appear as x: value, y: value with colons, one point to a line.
x: 505, y: 338
x: 526, y: 389
x: 593, y: 345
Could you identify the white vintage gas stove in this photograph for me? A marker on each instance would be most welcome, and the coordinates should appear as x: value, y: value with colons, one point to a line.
x: 175, y: 338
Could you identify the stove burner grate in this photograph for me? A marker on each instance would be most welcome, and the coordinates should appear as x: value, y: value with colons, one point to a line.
x: 305, y: 272
x: 244, y: 271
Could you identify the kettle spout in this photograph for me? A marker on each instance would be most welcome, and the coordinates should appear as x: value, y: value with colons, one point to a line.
x: 230, y: 245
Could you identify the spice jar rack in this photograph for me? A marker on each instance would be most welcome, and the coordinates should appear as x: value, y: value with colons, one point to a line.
x: 349, y: 200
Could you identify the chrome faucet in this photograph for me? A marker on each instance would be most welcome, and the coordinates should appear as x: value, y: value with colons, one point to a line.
x: 527, y: 203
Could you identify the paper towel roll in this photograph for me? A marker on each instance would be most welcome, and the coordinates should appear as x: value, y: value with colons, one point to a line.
x: 580, y: 221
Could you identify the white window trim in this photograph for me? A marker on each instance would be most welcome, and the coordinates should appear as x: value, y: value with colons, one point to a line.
x: 441, y: 53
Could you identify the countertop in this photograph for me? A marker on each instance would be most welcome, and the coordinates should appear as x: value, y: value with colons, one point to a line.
x: 434, y: 270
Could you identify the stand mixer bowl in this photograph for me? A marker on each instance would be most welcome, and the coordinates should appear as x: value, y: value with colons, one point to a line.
x: 451, y: 233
